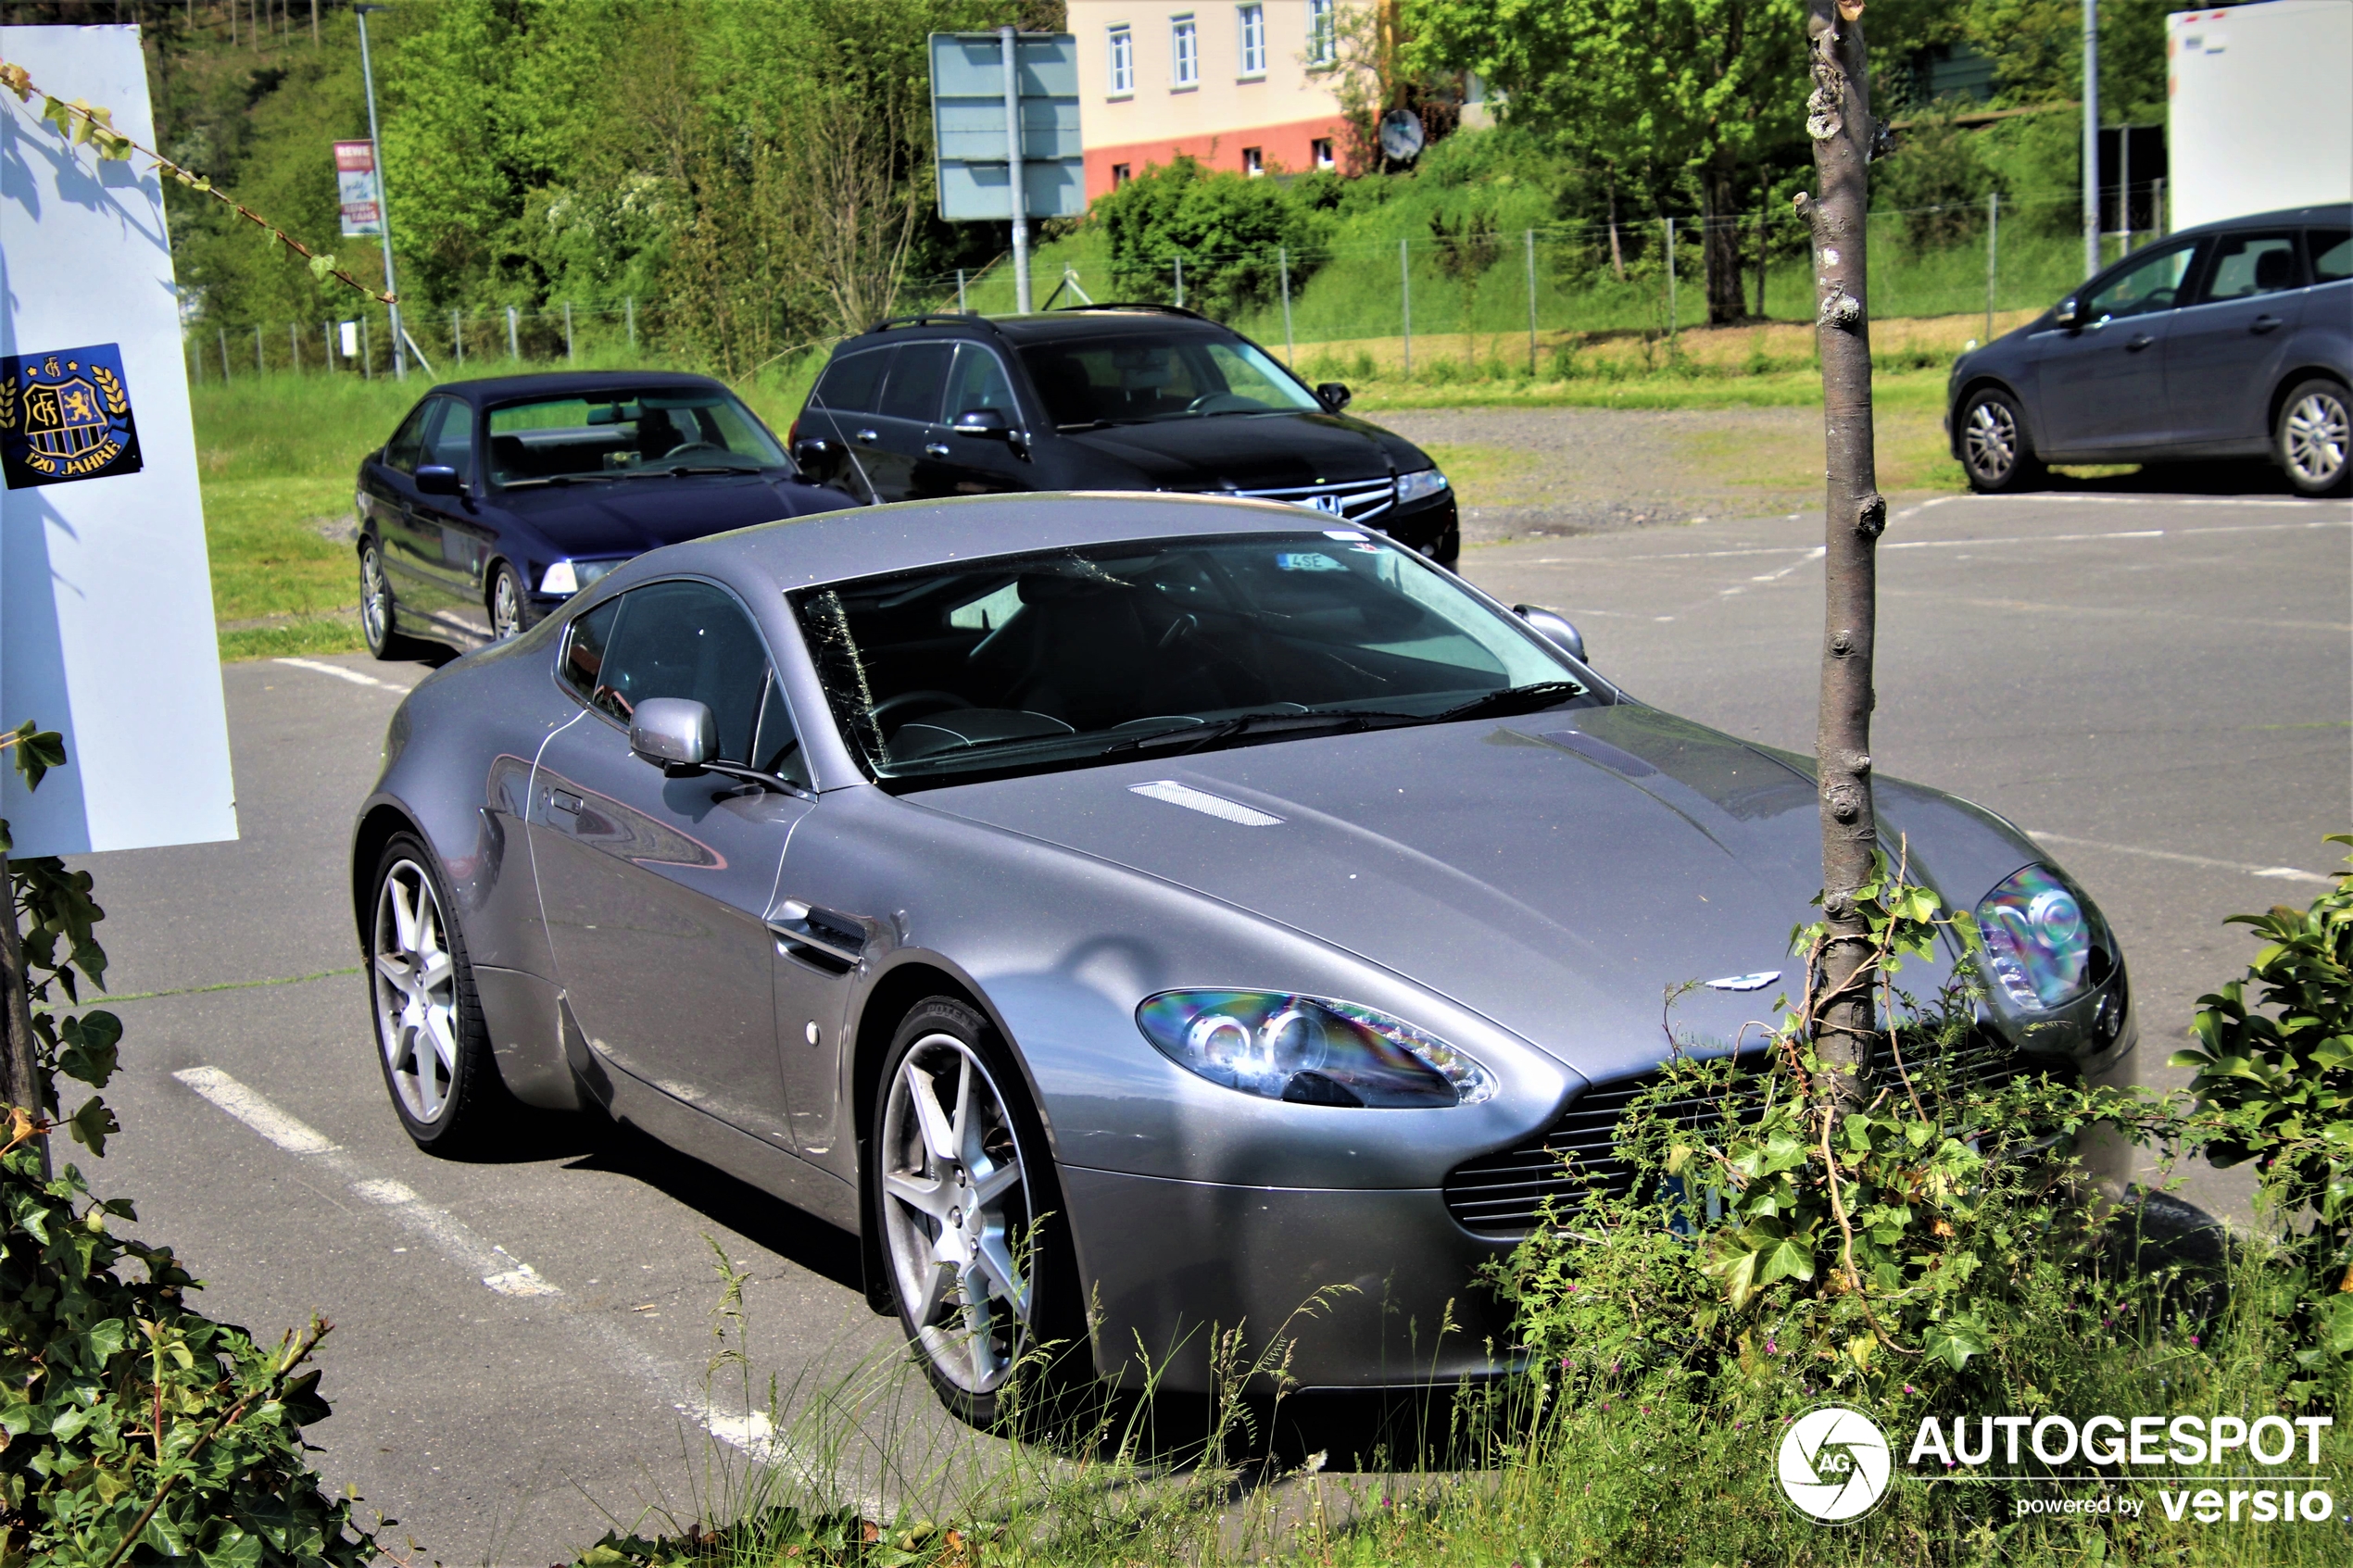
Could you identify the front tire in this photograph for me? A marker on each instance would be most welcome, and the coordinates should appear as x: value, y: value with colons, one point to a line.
x: 2310, y: 437
x: 430, y: 1041
x: 510, y: 604
x: 1995, y: 454
x: 962, y: 1197
x: 379, y: 618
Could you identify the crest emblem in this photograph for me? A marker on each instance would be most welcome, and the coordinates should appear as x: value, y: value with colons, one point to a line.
x: 66, y: 416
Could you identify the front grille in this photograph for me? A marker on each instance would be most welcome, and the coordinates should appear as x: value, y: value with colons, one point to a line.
x: 1359, y: 500
x: 1498, y: 1195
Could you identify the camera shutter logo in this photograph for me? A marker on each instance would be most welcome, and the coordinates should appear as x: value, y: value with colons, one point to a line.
x: 66, y: 416
x: 1834, y: 1464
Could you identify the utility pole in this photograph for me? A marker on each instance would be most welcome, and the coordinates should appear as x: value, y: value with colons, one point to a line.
x: 2090, y: 137
x: 1008, y: 40
x: 383, y: 192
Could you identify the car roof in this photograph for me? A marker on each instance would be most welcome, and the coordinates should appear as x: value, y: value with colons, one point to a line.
x: 1045, y: 326
x: 569, y: 383
x: 839, y: 547
x: 2331, y: 212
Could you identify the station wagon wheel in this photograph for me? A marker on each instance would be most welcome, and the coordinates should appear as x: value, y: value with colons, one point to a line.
x: 510, y: 604
x: 957, y: 1189
x: 1994, y: 450
x: 429, y: 1040
x: 377, y: 617
x: 2312, y: 437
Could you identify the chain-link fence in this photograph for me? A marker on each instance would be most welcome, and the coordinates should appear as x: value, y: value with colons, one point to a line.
x: 1528, y: 301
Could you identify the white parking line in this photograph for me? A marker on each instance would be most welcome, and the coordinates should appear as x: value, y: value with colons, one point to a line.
x: 318, y: 666
x: 498, y: 1270
x: 1815, y: 550
x: 2281, y: 874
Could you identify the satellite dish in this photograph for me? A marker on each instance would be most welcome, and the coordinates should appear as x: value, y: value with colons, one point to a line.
x: 1401, y: 135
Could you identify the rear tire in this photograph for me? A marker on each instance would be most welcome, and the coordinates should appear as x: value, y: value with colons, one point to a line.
x: 2310, y: 437
x: 1995, y: 453
x: 976, y: 1253
x: 426, y: 1018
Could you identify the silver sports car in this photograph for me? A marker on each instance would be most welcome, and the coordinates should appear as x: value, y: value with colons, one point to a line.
x: 1128, y: 914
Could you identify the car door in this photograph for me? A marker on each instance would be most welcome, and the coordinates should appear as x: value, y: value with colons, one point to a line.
x: 455, y: 542
x: 656, y: 891
x: 388, y: 495
x: 840, y: 406
x: 956, y: 463
x: 2224, y: 350
x: 906, y: 418
x: 2102, y: 381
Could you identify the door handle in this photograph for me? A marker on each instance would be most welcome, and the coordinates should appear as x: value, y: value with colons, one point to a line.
x: 2140, y: 341
x: 866, y: 438
x: 822, y: 932
x: 565, y: 801
x: 934, y: 449
x: 2262, y: 323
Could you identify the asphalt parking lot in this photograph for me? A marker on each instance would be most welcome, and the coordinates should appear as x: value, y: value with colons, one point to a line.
x: 2154, y: 685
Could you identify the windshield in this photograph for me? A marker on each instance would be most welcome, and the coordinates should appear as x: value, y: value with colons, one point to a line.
x: 674, y: 431
x: 1147, y: 375
x: 1059, y: 658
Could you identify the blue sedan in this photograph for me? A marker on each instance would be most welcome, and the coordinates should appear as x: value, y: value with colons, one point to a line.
x: 495, y: 501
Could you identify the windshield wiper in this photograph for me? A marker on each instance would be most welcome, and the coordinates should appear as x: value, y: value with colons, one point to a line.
x: 1192, y: 737
x: 556, y: 478
x: 691, y: 467
x: 1510, y: 700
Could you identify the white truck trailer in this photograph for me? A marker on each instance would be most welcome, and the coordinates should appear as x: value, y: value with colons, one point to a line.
x: 2260, y: 108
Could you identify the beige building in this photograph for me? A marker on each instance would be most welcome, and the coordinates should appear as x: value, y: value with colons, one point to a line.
x: 1245, y: 87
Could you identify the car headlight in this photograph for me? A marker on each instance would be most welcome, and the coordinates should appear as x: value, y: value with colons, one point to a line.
x: 2040, y: 940
x: 1309, y: 1050
x: 1419, y: 485
x: 571, y: 576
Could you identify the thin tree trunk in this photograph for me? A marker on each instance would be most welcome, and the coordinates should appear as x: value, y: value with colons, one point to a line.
x: 1616, y: 252
x: 1721, y: 244
x: 1839, y: 121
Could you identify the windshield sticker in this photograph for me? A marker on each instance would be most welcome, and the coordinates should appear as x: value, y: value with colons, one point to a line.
x: 1348, y: 533
x: 1305, y: 561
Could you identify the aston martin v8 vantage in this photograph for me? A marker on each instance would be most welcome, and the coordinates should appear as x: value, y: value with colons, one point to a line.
x: 1128, y: 914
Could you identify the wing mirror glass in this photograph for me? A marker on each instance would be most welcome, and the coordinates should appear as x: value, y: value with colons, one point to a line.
x: 810, y: 451
x: 438, y: 479
x: 988, y: 423
x: 1333, y: 395
x: 675, y: 733
x: 2070, y: 313
x: 1555, y: 628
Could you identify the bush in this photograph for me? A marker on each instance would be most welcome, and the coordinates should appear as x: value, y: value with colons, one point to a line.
x: 132, y: 1429
x: 1225, y: 228
x: 1939, y: 182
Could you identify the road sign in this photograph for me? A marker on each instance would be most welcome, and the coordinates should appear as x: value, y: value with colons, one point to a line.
x: 968, y: 121
x: 356, y: 188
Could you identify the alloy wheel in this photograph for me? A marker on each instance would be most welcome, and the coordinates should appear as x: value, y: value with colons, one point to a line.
x: 505, y: 604
x: 2316, y: 436
x: 375, y: 599
x: 1992, y: 440
x: 415, y: 979
x: 956, y: 1213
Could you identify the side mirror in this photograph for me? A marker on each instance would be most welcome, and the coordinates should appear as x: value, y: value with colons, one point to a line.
x: 1555, y: 628
x: 2069, y: 314
x: 987, y: 423
x: 812, y: 452
x: 438, y: 479
x: 675, y: 733
x: 1332, y: 394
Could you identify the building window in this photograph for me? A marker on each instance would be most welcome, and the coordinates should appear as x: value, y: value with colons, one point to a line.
x: 1123, y: 61
x: 1185, y: 45
x: 1321, y: 147
x: 1322, y: 33
x: 1253, y: 20
x: 1120, y: 174
x: 1253, y: 161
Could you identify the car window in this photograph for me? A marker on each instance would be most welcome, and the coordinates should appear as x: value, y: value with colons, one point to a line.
x: 1158, y: 375
x: 979, y: 382
x: 918, y: 379
x: 1252, y: 378
x: 687, y: 640
x: 450, y: 442
x: 2249, y: 264
x: 656, y: 429
x: 405, y: 448
x: 2151, y: 285
x: 2332, y: 252
x: 851, y: 384
x: 582, y: 666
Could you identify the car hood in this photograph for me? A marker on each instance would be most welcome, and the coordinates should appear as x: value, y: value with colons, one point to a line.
x: 629, y: 516
x: 1556, y: 874
x: 1253, y: 451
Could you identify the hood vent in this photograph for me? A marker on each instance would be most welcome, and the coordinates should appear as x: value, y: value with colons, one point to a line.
x: 1208, y: 805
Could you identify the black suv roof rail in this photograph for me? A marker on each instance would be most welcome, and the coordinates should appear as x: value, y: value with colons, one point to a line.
x: 1135, y: 305
x: 934, y: 318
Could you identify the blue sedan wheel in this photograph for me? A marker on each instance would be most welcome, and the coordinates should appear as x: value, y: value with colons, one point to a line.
x: 377, y: 617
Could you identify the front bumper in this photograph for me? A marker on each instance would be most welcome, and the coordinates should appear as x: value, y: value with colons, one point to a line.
x: 1430, y: 526
x: 1168, y: 1266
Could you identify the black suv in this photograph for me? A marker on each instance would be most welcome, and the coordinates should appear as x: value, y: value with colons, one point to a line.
x: 1106, y: 397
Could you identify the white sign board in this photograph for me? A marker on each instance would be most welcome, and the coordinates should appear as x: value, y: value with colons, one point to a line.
x: 2257, y: 109
x: 968, y: 126
x: 105, y: 594
x: 357, y: 190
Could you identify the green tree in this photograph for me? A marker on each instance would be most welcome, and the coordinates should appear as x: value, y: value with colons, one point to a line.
x: 1226, y: 229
